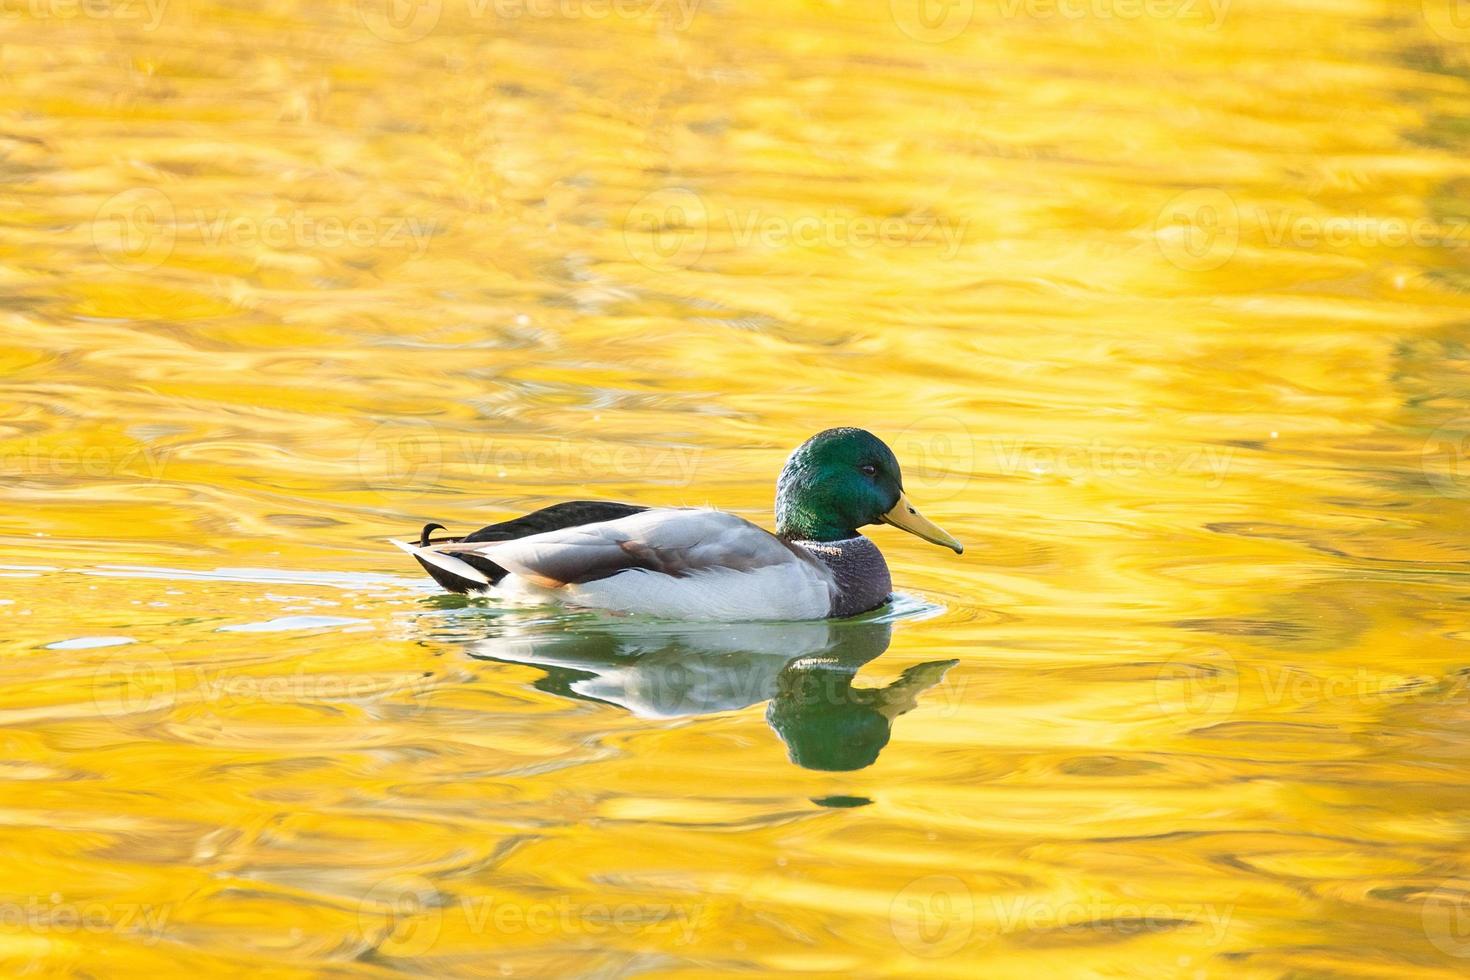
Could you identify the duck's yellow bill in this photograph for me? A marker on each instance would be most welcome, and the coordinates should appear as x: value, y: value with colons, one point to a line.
x: 903, y: 515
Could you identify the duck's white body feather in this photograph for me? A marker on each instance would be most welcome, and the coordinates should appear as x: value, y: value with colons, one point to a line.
x: 789, y: 591
x: 668, y: 562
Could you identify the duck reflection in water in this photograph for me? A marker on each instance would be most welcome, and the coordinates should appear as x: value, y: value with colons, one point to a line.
x: 805, y: 670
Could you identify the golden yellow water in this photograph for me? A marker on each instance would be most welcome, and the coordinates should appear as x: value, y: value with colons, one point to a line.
x: 1162, y: 304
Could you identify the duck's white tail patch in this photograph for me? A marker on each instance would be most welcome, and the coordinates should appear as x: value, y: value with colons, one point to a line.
x: 447, y: 563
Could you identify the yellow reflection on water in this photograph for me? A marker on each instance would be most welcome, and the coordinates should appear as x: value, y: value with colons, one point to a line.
x: 1162, y: 305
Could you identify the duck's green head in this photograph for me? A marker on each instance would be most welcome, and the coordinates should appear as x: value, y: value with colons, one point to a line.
x: 843, y: 479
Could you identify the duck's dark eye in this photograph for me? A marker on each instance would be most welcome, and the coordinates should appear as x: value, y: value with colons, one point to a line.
x: 869, y: 469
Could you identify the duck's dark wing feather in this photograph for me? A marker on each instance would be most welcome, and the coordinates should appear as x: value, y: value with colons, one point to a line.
x: 572, y: 513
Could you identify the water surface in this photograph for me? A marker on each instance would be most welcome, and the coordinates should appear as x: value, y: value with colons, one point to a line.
x: 1163, y: 307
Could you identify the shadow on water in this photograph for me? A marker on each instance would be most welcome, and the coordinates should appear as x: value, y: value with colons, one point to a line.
x: 806, y: 671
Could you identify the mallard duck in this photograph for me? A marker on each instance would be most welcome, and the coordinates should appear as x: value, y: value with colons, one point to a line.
x: 701, y: 564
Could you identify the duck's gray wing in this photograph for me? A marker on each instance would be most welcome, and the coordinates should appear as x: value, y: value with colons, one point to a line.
x: 670, y: 541
x: 476, y: 572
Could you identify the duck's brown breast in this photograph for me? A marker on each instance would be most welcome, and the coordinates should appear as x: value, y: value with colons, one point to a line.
x: 863, y: 581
